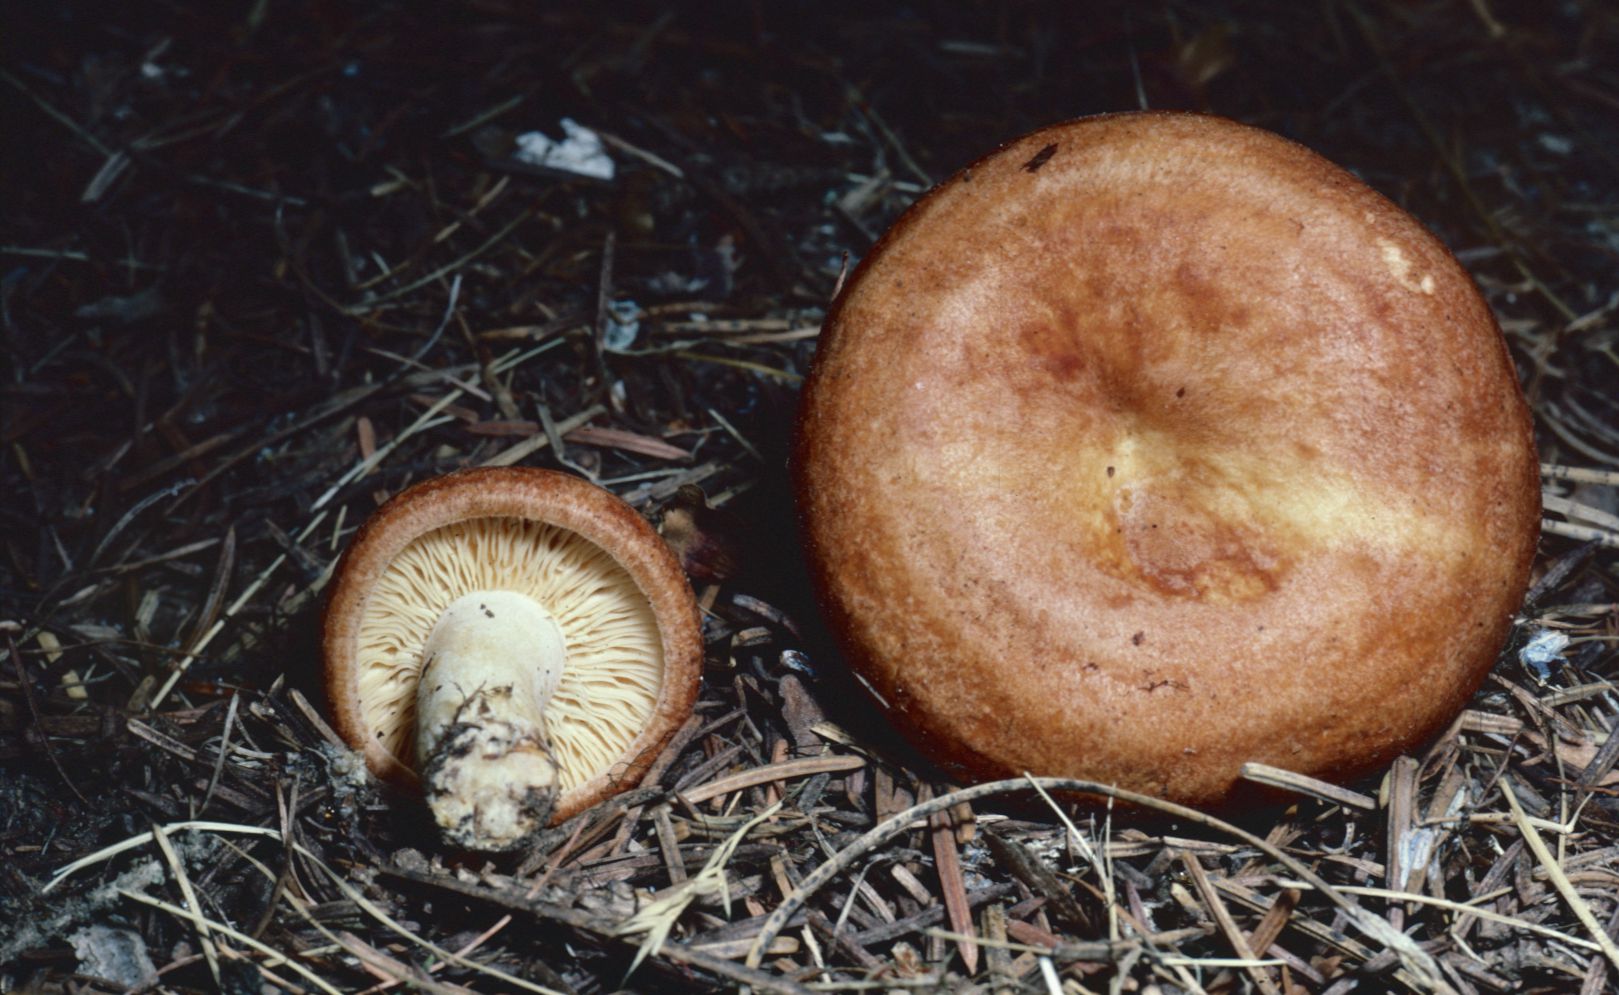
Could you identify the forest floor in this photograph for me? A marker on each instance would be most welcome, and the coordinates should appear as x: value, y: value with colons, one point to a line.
x: 265, y: 264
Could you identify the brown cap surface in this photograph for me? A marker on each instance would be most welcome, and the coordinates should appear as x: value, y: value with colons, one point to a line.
x: 564, y: 541
x: 1151, y: 444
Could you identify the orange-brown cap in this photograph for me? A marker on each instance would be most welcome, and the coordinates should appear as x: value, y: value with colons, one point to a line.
x: 627, y: 615
x: 1151, y: 444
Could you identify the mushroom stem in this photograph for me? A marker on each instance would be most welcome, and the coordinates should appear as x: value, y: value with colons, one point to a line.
x: 493, y: 661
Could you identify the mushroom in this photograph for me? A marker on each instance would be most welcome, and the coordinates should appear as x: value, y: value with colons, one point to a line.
x: 1151, y: 444
x: 518, y: 642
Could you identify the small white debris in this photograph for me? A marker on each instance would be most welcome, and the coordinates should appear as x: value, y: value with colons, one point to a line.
x: 1399, y: 267
x: 347, y: 768
x: 1544, y: 648
x: 1555, y: 144
x: 116, y: 955
x: 623, y: 325
x: 580, y: 153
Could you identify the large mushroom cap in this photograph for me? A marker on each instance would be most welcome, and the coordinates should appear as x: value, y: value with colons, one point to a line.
x: 1151, y: 444
x: 625, y: 611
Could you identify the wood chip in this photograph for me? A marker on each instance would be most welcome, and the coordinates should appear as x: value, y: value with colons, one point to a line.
x: 1228, y: 925
x: 771, y: 772
x: 954, y: 889
x: 1276, y: 777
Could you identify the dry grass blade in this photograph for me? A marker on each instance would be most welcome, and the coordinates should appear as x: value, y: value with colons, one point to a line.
x: 371, y: 909
x: 534, y: 443
x: 1416, y: 960
x: 426, y: 420
x: 1463, y: 910
x: 392, y: 972
x: 1276, y: 777
x: 658, y: 917
x: 276, y: 957
x: 1590, y: 514
x: 219, y: 758
x: 1559, y: 880
x: 741, y: 364
x: 189, y: 894
x: 784, y: 771
x: 1580, y: 474
x: 1597, y: 974
x: 1246, y: 957
x: 1584, y: 533
x: 691, y: 957
x: 445, y: 270
x: 230, y: 612
x: 216, y: 592
x: 66, y: 871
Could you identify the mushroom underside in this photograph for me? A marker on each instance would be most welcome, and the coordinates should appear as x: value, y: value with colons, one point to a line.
x: 452, y: 603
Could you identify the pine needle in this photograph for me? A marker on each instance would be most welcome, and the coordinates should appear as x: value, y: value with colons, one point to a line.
x: 1559, y: 880
x: 659, y: 916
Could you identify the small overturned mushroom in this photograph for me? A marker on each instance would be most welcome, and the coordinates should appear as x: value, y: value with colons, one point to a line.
x: 518, y: 642
x: 1152, y: 444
